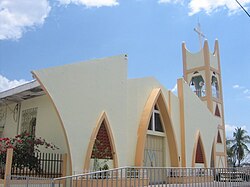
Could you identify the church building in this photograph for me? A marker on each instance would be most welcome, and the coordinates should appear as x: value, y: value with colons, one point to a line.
x: 91, y: 111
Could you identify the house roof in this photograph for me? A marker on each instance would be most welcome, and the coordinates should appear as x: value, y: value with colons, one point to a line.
x: 20, y: 93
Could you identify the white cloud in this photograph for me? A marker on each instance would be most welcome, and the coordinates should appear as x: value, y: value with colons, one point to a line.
x: 6, y: 84
x: 18, y: 16
x: 231, y: 128
x: 246, y: 91
x: 90, y: 3
x: 236, y: 86
x: 174, y: 89
x: 171, y: 1
x: 210, y: 6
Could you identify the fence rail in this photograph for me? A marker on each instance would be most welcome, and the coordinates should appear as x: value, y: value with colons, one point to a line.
x: 148, y: 177
x: 134, y: 176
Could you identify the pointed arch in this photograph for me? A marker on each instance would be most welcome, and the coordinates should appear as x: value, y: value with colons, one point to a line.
x: 60, y: 120
x: 213, y: 156
x: 102, y: 121
x: 220, y: 162
x: 156, y: 96
x: 217, y: 111
x: 219, y: 140
x: 199, y: 155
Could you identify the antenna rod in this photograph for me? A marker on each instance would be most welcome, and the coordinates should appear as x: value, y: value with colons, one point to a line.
x: 243, y: 8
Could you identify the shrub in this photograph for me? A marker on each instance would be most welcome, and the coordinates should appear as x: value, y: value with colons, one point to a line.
x: 25, y: 146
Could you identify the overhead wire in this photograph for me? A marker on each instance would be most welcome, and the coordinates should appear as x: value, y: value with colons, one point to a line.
x: 243, y: 8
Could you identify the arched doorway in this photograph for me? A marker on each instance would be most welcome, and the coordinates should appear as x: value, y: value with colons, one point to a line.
x: 155, y: 149
x: 155, y: 133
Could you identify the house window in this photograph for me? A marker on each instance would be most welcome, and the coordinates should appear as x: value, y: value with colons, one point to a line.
x: 155, y: 123
x: 197, y: 85
x: 28, y: 122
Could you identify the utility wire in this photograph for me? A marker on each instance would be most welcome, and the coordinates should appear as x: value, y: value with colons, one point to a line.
x: 243, y: 8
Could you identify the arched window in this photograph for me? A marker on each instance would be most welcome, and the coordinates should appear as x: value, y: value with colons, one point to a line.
x: 101, y: 153
x: 155, y: 123
x: 102, y: 147
x: 154, y: 150
x: 199, y: 157
x: 197, y: 85
x: 215, y: 86
x: 219, y: 137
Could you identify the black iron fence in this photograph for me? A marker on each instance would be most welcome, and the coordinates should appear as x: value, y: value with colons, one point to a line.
x: 2, y: 168
x: 49, y: 166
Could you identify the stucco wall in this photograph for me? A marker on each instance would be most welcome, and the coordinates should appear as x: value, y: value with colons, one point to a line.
x: 88, y: 89
x: 197, y: 117
x: 196, y: 59
x: 139, y: 91
x: 214, y: 61
x: 47, y: 122
x: 175, y: 117
x: 11, y: 125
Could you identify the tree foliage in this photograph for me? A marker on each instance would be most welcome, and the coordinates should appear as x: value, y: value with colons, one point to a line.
x: 237, y: 146
x: 25, y: 147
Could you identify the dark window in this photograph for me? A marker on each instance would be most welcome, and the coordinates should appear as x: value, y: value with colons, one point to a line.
x: 155, y: 123
x: 158, y: 124
x: 150, y: 123
x: 199, y: 154
x: 219, y: 138
x: 217, y: 111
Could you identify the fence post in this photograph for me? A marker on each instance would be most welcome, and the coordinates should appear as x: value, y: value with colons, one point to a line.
x: 8, y: 166
x: 64, y: 169
x: 64, y: 165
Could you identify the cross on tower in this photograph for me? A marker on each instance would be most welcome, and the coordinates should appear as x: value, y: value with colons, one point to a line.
x: 200, y: 34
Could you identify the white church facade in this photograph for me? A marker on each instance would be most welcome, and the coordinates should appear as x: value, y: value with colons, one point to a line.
x: 133, y: 122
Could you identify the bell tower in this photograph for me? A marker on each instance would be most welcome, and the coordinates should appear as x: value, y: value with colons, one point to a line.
x: 202, y: 72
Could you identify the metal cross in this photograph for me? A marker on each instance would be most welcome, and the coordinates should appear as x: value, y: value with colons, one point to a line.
x: 200, y: 34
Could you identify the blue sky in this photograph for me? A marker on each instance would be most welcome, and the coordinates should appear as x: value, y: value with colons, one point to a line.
x: 45, y: 33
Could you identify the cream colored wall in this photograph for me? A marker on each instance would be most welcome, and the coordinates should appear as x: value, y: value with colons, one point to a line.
x: 10, y: 128
x: 214, y: 61
x: 197, y: 59
x: 47, y: 123
x: 138, y: 94
x: 88, y: 89
x: 197, y: 117
x: 175, y: 116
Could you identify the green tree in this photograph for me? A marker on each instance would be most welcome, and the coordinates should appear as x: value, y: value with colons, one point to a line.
x: 231, y: 158
x: 238, y: 144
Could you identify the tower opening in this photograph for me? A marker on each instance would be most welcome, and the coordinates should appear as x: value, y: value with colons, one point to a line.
x: 215, y: 86
x: 197, y: 85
